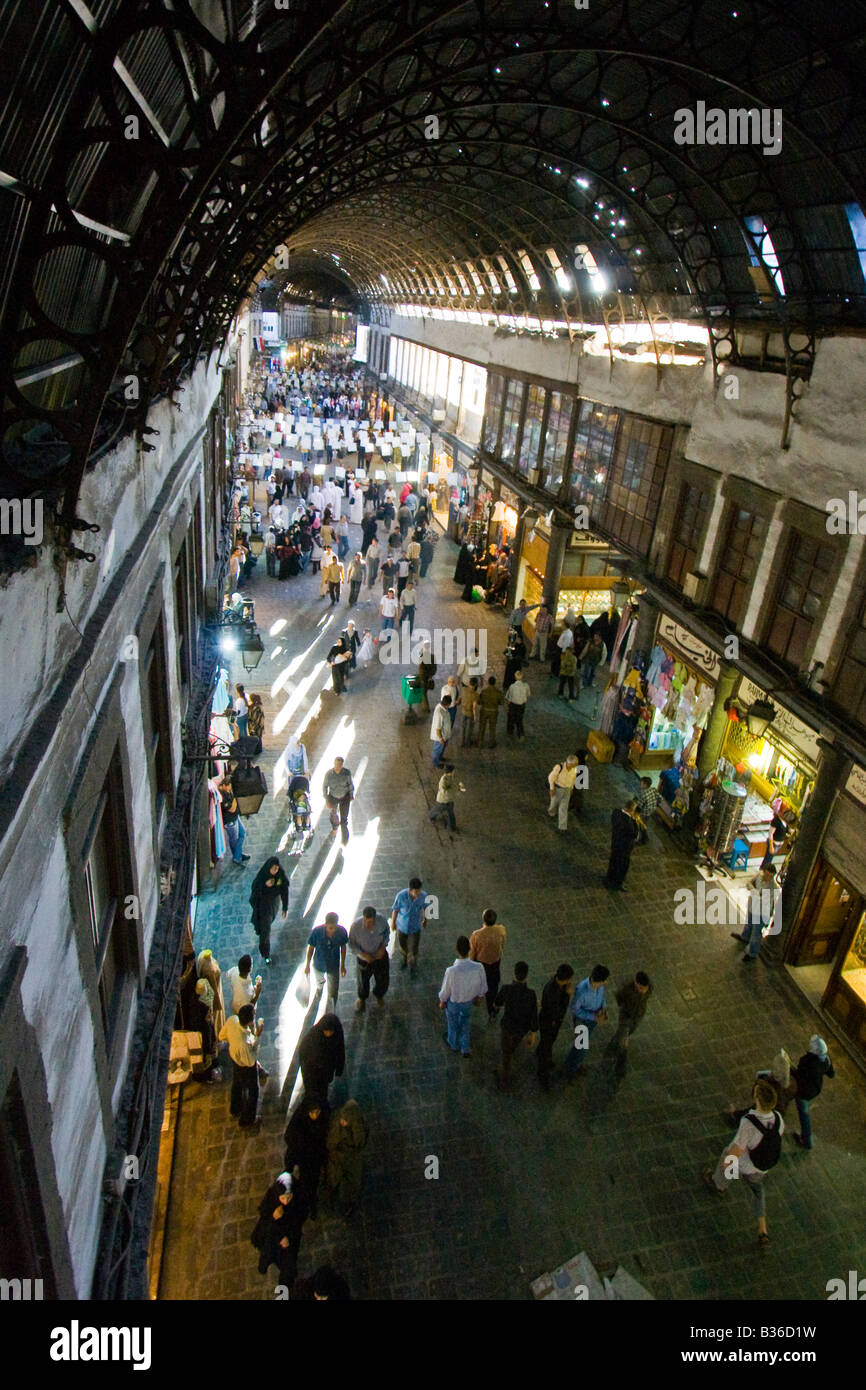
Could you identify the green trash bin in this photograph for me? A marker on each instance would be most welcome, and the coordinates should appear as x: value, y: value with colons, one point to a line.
x: 413, y: 690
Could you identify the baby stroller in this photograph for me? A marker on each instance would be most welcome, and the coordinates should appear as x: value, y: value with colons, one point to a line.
x: 301, y: 812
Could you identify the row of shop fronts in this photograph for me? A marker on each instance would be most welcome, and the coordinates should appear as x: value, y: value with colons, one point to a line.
x: 681, y: 714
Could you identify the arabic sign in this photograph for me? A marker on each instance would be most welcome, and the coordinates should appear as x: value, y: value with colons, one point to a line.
x: 704, y: 661
x: 798, y: 734
x: 856, y: 784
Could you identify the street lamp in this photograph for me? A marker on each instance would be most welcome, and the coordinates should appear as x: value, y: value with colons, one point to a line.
x: 759, y: 715
x: 251, y: 649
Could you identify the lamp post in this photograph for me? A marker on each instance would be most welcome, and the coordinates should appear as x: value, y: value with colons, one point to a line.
x: 248, y: 782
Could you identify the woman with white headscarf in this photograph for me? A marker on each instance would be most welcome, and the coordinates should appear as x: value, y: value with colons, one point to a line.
x: 295, y: 758
x: 277, y: 1233
x: 206, y: 968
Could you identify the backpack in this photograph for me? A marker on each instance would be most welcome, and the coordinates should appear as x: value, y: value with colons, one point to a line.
x: 767, y: 1154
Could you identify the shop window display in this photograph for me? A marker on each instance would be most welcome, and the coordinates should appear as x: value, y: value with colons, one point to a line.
x: 854, y: 966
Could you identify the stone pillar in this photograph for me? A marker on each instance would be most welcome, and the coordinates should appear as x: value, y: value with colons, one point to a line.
x: 717, y: 722
x: 712, y: 739
x: 519, y: 538
x: 647, y: 618
x: 832, y: 775
x: 559, y: 534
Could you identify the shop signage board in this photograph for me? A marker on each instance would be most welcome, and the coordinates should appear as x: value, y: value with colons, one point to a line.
x: 705, y: 661
x: 509, y: 499
x: 856, y: 784
x: 798, y: 734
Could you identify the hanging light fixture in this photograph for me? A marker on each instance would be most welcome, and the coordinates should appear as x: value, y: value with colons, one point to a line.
x: 257, y: 543
x: 250, y: 788
x: 252, y: 650
x: 759, y: 717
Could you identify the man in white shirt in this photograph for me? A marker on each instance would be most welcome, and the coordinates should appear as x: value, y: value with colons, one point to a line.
x: 388, y: 610
x: 515, y: 697
x: 243, y: 1040
x: 561, y: 782
x: 753, y: 1151
x: 440, y: 730
x: 463, y: 984
x: 244, y: 990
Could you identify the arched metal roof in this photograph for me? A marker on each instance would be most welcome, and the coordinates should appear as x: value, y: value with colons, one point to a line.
x: 512, y: 156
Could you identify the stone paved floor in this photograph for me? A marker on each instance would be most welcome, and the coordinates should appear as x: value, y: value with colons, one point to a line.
x: 525, y: 1180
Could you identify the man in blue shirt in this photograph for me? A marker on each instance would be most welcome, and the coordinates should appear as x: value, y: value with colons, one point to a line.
x: 407, y: 919
x: 587, y: 1010
x: 326, y: 950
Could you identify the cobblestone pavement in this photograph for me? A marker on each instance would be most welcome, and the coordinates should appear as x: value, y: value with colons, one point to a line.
x: 525, y: 1180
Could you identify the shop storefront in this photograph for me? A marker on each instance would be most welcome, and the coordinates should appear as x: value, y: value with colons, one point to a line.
x: 777, y: 769
x: 827, y: 951
x: 680, y: 687
x: 502, y: 519
x: 585, y: 586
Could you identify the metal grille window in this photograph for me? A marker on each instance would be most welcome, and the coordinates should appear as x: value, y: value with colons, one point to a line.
x: 744, y: 542
x: 511, y: 421
x: 849, y: 688
x: 688, y: 528
x: 155, y: 714
x: 103, y: 878
x: 492, y: 412
x: 629, y: 508
x: 592, y: 455
x: 527, y: 459
x: 181, y: 613
x: 801, y: 595
x: 556, y: 440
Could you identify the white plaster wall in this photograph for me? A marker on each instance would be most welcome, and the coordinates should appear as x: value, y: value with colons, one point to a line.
x: 630, y: 385
x: 117, y: 495
x: 35, y: 910
x: 55, y: 1005
x: 828, y: 440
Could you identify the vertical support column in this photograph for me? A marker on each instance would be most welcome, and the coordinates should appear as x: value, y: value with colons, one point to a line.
x: 717, y: 724
x: 559, y: 534
x: 713, y: 738
x: 832, y: 775
x: 519, y: 537
x: 647, y: 621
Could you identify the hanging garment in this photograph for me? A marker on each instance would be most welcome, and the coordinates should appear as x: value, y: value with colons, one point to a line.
x: 608, y: 709
x: 657, y: 656
x: 618, y: 649
x: 215, y: 817
x: 703, y: 705
x: 666, y: 672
